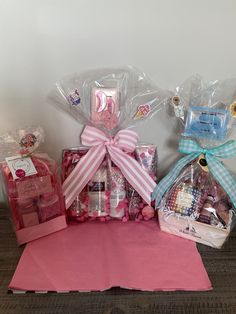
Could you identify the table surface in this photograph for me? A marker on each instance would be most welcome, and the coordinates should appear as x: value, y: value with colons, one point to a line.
x: 220, y: 265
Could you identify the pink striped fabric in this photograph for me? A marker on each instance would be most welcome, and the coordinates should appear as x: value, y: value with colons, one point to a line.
x: 117, y: 147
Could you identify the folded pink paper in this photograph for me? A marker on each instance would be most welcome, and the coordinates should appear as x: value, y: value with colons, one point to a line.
x: 96, y: 256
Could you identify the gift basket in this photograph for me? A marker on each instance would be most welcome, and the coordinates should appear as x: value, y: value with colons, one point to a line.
x: 111, y: 174
x: 32, y: 185
x: 197, y: 198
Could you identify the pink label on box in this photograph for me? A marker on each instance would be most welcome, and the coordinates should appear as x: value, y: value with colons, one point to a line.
x: 21, y: 167
x: 34, y: 187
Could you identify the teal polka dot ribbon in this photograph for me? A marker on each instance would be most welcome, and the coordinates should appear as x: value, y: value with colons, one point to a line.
x: 193, y: 150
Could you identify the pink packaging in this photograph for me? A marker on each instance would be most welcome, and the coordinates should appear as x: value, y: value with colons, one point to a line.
x: 146, y: 155
x: 105, y: 107
x: 104, y: 197
x: 33, y: 191
x: 108, y: 195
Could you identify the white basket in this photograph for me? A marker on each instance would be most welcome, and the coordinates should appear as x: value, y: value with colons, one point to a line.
x: 185, y: 227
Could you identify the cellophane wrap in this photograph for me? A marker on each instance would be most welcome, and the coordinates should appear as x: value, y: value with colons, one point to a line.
x: 111, y: 101
x: 219, y: 97
x: 32, y: 185
x: 196, y: 198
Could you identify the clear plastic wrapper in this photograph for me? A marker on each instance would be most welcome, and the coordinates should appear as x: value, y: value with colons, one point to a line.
x: 206, y: 110
x: 196, y: 199
x: 110, y: 102
x: 32, y: 185
x: 109, y: 99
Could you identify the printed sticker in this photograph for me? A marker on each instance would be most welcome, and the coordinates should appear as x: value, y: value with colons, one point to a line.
x: 74, y: 98
x: 21, y: 167
x: 143, y: 111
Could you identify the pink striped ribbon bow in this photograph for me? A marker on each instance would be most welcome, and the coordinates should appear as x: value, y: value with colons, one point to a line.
x: 117, y: 147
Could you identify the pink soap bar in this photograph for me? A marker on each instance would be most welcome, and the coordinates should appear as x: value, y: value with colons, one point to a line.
x: 105, y: 107
x: 30, y: 219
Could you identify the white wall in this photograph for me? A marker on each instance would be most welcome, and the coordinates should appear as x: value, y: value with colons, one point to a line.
x: 42, y: 40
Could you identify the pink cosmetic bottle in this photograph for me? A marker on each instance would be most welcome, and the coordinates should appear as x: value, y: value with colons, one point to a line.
x: 49, y: 206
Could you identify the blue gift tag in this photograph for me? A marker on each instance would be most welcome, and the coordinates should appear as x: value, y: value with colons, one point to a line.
x: 209, y: 123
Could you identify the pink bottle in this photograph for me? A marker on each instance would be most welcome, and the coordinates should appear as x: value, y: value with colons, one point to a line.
x: 49, y: 206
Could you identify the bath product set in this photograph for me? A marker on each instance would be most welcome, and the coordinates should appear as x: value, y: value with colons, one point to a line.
x: 111, y: 175
x: 32, y: 185
x: 197, y: 198
x: 108, y: 194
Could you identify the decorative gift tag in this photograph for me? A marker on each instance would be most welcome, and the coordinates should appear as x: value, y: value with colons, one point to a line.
x: 21, y: 167
x: 233, y: 109
x: 203, y: 163
x: 178, y: 107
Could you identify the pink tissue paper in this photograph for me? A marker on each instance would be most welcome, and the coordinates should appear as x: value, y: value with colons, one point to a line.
x: 96, y: 256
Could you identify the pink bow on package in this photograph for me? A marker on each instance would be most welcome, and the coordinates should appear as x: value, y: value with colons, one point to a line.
x: 32, y: 185
x: 111, y: 175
